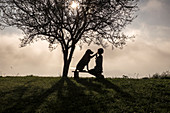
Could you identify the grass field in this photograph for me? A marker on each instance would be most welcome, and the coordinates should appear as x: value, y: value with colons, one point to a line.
x: 85, y: 95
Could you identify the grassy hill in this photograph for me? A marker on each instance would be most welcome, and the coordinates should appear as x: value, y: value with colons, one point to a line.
x: 85, y: 95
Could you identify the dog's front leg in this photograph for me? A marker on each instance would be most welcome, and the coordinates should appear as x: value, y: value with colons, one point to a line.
x: 87, y: 67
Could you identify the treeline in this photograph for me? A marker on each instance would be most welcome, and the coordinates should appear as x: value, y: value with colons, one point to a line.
x: 163, y: 75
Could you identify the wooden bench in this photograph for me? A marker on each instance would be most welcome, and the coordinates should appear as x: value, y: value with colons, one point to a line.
x: 76, y: 74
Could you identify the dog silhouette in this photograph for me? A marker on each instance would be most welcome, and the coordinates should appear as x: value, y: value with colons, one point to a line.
x: 84, y: 60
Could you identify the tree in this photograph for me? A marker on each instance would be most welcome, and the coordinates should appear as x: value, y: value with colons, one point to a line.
x: 69, y: 22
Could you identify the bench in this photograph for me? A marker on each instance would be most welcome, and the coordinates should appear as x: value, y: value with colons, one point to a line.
x: 76, y: 74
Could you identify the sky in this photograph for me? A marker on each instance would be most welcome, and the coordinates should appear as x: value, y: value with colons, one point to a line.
x: 144, y: 56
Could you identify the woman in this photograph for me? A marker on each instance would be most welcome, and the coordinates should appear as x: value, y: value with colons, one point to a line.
x: 98, y: 69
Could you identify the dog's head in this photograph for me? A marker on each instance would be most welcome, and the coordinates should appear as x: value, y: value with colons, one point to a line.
x: 89, y: 51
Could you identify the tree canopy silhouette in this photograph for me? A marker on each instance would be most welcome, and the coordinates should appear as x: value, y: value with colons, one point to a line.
x: 69, y: 22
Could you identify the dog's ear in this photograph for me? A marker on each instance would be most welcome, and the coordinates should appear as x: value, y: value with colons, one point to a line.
x: 91, y: 52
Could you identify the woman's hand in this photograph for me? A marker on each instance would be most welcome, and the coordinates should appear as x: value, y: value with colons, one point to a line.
x: 94, y: 55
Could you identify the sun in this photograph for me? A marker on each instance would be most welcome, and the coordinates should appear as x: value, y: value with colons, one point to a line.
x: 74, y: 4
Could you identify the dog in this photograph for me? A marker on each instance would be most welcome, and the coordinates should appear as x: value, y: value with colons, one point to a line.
x: 84, y: 60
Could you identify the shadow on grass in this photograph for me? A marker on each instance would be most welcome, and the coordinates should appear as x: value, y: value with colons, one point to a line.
x: 108, y: 85
x: 76, y: 101
x: 122, y: 93
x: 68, y: 97
x: 13, y: 98
x: 88, y: 83
x: 29, y: 103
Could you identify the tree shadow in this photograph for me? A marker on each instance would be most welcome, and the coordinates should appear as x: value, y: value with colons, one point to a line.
x: 30, y: 103
x: 108, y: 85
x: 69, y: 95
x: 58, y: 86
x: 76, y: 100
x: 69, y: 98
x: 88, y: 83
x: 14, y: 98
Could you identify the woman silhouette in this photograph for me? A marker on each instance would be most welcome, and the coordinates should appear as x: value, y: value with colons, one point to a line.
x: 98, y: 69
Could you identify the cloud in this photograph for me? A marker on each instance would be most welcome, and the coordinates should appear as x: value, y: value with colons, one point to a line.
x: 153, y: 5
x: 149, y: 53
x: 10, y: 32
x: 138, y: 57
x: 155, y: 12
x: 33, y: 59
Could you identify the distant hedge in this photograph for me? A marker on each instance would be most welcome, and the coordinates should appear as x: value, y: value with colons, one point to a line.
x: 163, y: 75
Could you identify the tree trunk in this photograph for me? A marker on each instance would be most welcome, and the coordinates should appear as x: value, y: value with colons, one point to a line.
x: 66, y: 68
x: 67, y: 60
